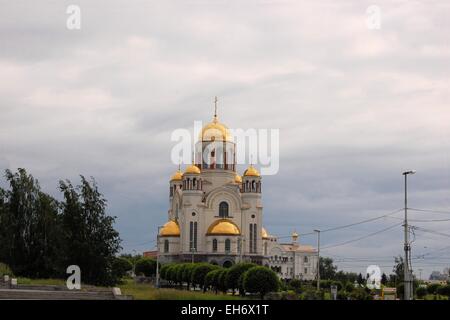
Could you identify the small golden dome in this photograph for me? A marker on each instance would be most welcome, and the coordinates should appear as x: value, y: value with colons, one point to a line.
x: 215, y: 131
x: 237, y: 179
x: 177, y: 176
x: 170, y: 229
x: 251, y: 172
x: 264, y: 233
x: 223, y: 227
x: 294, y: 236
x: 192, y: 169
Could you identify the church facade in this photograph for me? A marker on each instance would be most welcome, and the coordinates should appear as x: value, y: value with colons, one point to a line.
x: 216, y: 215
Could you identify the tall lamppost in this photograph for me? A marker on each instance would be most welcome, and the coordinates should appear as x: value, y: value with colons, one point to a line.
x: 134, y: 262
x: 157, y: 257
x: 408, y: 290
x: 318, y: 259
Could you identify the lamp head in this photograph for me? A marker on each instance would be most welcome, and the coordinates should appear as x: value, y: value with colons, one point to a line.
x: 409, y: 172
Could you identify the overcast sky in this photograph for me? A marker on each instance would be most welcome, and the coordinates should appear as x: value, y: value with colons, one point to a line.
x: 355, y: 107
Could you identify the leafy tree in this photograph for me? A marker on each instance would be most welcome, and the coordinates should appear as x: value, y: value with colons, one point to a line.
x: 349, y: 287
x: 327, y: 268
x: 222, y: 279
x: 360, y: 294
x: 235, y: 272
x: 163, y: 271
x: 296, y: 285
x: 345, y: 276
x: 187, y: 274
x: 398, y: 269
x: 5, y: 270
x: 384, y: 279
x: 444, y: 290
x: 199, y: 273
x: 90, y: 240
x: 360, y: 279
x: 260, y: 280
x: 120, y: 267
x: 30, y: 234
x: 421, y: 292
x: 433, y: 288
x: 212, y: 279
x: 145, y: 266
x: 180, y: 272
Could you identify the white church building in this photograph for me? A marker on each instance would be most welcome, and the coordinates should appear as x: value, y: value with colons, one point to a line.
x: 215, y: 215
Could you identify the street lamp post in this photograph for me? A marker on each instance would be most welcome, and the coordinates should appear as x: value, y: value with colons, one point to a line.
x: 193, y: 249
x: 134, y: 262
x: 318, y: 259
x: 408, y: 290
x: 157, y: 258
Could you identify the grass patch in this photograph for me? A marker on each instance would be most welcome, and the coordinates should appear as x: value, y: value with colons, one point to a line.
x: 435, y: 297
x: 41, y: 282
x: 144, y: 291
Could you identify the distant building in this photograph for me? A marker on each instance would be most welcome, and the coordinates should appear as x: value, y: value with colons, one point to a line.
x: 440, y: 276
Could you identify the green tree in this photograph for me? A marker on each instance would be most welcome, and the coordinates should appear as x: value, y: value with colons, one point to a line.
x: 360, y: 279
x: 30, y: 234
x: 120, y: 267
x: 421, y: 292
x: 145, y: 266
x: 234, y: 273
x: 222, y: 280
x: 212, y: 279
x: 384, y: 279
x: 187, y: 274
x: 199, y: 273
x: 163, y: 271
x: 327, y: 268
x: 180, y: 272
x: 90, y: 240
x: 260, y: 280
x: 444, y: 290
x: 433, y: 288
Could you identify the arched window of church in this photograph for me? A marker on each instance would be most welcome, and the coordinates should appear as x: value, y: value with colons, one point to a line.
x: 253, y: 185
x: 265, y: 249
x: 194, y: 183
x: 166, y: 245
x: 227, y: 245
x: 214, y: 245
x: 223, y: 209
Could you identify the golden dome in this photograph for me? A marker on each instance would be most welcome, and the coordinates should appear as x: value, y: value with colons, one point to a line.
x: 223, y: 227
x: 192, y: 169
x: 237, y: 179
x: 252, y: 172
x: 215, y: 131
x: 294, y: 236
x: 177, y: 176
x: 264, y: 233
x: 170, y: 229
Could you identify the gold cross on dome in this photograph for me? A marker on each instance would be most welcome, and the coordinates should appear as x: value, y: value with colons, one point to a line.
x: 215, y: 107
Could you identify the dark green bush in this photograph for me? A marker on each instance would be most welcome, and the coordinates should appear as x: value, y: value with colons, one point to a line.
x: 232, y: 279
x: 5, y: 270
x: 146, y: 267
x: 120, y: 267
x: 260, y: 280
x: 199, y: 273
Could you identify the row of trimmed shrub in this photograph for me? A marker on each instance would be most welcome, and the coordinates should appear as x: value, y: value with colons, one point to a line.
x: 242, y: 277
x: 435, y: 289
